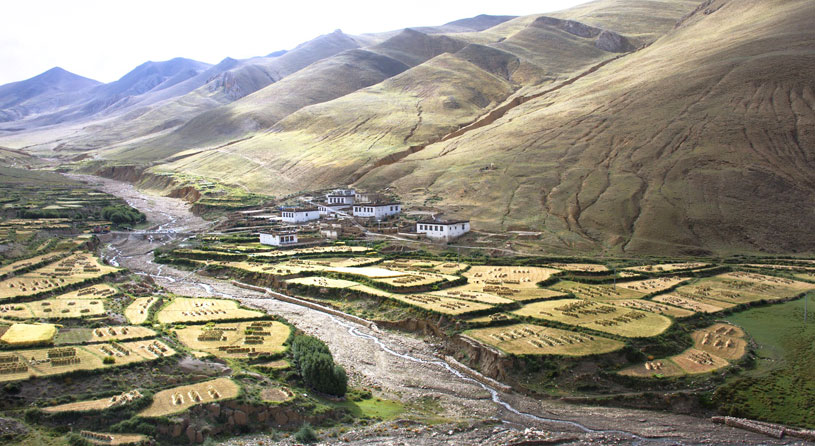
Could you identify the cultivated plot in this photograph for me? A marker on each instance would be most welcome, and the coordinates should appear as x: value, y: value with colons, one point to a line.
x: 519, y: 283
x: 54, y: 309
x: 100, y: 291
x: 597, y: 292
x: 713, y: 348
x: 71, y: 270
x: 100, y: 404
x: 651, y: 286
x: 435, y: 266
x: 22, y: 364
x: 138, y: 310
x: 655, y: 307
x: 29, y: 262
x: 688, y: 302
x: 668, y: 267
x: 528, y: 339
x: 742, y: 287
x: 185, y: 310
x: 107, y: 333
x: 179, y: 399
x: 600, y: 316
x: 580, y: 267
x: 237, y: 339
x: 22, y: 335
x: 329, y: 283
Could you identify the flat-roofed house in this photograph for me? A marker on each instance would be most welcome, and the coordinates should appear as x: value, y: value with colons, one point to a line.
x: 443, y: 229
x: 378, y: 211
x: 278, y: 238
x: 340, y: 199
x: 299, y: 215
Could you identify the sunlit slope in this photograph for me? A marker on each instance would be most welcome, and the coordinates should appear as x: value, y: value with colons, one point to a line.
x: 702, y: 141
x: 341, y: 140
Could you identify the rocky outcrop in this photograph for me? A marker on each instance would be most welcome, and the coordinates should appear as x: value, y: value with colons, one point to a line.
x: 613, y: 42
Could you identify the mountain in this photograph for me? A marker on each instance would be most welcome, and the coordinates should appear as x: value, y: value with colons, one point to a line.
x: 43, y: 92
x: 622, y: 126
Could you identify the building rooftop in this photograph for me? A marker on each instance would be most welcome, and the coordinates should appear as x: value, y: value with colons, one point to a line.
x: 378, y: 204
x: 442, y: 222
x: 299, y: 209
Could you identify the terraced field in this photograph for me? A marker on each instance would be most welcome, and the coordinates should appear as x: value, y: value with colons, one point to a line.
x: 99, y: 404
x: 528, y: 339
x: 54, y: 309
x: 102, y: 334
x: 668, y: 267
x: 22, y: 335
x: 139, y: 310
x: 186, y: 310
x: 597, y: 292
x: 714, y: 348
x: 236, y: 340
x: 600, y: 316
x: 512, y: 282
x: 71, y: 270
x: 712, y: 294
x: 179, y: 399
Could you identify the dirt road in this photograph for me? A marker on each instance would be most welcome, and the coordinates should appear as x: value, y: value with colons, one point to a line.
x: 405, y: 368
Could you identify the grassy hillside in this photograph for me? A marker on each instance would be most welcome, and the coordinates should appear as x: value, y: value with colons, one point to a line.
x: 698, y: 142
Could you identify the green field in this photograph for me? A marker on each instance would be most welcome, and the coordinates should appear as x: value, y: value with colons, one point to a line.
x: 781, y: 388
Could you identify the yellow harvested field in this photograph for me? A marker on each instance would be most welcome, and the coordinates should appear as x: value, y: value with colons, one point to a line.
x: 409, y: 280
x: 21, y: 335
x: 580, y: 267
x: 370, y: 272
x: 444, y: 305
x: 276, y: 394
x: 179, y: 399
x: 326, y: 282
x: 138, y: 310
x: 25, y: 263
x: 712, y: 348
x: 805, y: 276
x: 425, y: 265
x: 183, y: 309
x: 690, y: 304
x: 100, y: 291
x: 316, y: 250
x: 105, y: 438
x: 723, y: 340
x: 666, y: 267
x: 73, y: 269
x: 741, y: 287
x: 597, y: 292
x: 474, y: 296
x: 120, y: 333
x: 528, y: 339
x: 799, y: 267
x: 519, y: 283
x: 100, y: 404
x: 495, y: 317
x: 54, y: 309
x: 650, y: 286
x: 600, y: 316
x: 54, y: 361
x: 237, y: 339
x: 655, y: 307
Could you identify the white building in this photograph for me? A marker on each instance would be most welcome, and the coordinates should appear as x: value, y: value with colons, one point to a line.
x: 330, y: 209
x: 378, y: 211
x: 340, y: 199
x: 300, y: 215
x: 443, y: 229
x: 345, y: 192
x: 278, y: 238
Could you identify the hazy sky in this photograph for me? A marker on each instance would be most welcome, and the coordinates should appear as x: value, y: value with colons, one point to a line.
x: 104, y: 40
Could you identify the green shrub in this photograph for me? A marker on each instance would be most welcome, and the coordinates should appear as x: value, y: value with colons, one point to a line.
x: 108, y: 360
x: 306, y: 434
x: 316, y: 366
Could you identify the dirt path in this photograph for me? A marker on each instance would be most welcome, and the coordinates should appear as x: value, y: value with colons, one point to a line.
x: 406, y: 368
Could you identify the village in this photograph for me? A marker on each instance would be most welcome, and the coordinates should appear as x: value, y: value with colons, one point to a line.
x: 344, y: 213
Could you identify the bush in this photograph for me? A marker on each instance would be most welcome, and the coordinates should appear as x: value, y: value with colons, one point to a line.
x: 120, y: 215
x: 108, y: 360
x: 306, y: 434
x: 316, y: 366
x: 76, y: 440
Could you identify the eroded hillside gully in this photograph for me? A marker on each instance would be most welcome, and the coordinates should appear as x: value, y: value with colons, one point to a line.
x: 405, y: 367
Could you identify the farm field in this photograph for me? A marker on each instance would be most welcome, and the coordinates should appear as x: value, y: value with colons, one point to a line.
x: 651, y: 286
x: 798, y: 267
x: 138, y: 310
x: 36, y: 362
x: 490, y: 318
x: 805, y: 276
x: 439, y: 304
x: 512, y: 282
x: 105, y: 438
x: 102, y: 334
x: 22, y: 335
x: 183, y: 309
x: 276, y: 394
x: 179, y: 399
x: 71, y: 270
x: 435, y: 266
x: 528, y: 339
x: 91, y: 292
x: 100, y: 404
x: 327, y: 282
x: 25, y: 263
x: 474, y: 296
x: 742, y: 287
x: 317, y: 250
x: 655, y: 307
x: 600, y: 316
x: 686, y: 302
x: 668, y: 267
x: 597, y: 292
x: 713, y: 348
x: 580, y: 267
x: 54, y: 309
x: 236, y: 340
